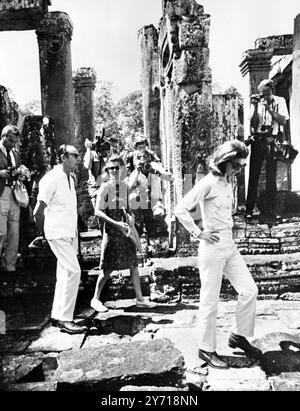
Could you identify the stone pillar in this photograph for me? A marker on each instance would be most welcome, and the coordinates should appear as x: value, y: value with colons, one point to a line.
x: 295, y: 105
x: 84, y: 81
x: 54, y: 34
x: 148, y: 38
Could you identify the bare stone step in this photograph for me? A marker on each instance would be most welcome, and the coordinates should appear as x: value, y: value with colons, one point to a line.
x: 52, y: 339
x: 271, y: 341
x: 157, y: 362
x: 287, y: 381
x: 237, y: 379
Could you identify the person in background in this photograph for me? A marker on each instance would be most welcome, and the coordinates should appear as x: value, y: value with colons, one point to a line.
x: 218, y: 253
x: 269, y: 114
x: 9, y: 207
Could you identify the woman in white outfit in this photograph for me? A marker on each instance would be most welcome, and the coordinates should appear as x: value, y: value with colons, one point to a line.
x: 218, y: 253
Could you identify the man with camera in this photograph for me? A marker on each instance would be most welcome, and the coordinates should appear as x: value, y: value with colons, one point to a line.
x: 269, y: 114
x: 9, y: 207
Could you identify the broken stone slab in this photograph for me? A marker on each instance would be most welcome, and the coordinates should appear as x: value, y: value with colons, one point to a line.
x: 151, y: 388
x: 237, y: 379
x: 22, y: 369
x: 271, y: 341
x: 157, y: 362
x: 32, y: 386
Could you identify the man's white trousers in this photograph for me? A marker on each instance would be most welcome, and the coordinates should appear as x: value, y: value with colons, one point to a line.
x: 214, y: 261
x: 67, y: 278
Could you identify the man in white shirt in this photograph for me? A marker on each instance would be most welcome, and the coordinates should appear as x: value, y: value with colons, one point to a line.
x: 9, y: 208
x: 269, y: 114
x: 56, y: 215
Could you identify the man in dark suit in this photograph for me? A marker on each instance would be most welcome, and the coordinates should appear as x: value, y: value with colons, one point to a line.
x: 9, y: 208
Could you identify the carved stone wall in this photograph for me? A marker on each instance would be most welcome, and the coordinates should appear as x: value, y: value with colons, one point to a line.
x: 8, y: 110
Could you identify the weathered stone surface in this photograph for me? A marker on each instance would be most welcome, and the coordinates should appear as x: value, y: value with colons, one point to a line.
x: 243, y: 379
x: 290, y: 297
x: 22, y: 369
x: 14, y: 344
x: 52, y: 340
x: 151, y: 388
x: 285, y: 384
x: 111, y: 367
x: 37, y: 386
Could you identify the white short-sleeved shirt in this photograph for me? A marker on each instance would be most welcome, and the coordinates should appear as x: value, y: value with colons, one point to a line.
x: 265, y: 118
x: 60, y: 197
x: 214, y: 196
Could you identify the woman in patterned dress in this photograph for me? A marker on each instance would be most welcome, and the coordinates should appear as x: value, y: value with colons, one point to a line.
x: 118, y: 252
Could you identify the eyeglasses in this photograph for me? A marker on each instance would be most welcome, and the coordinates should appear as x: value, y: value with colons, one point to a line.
x: 73, y: 154
x: 116, y: 168
x: 237, y: 166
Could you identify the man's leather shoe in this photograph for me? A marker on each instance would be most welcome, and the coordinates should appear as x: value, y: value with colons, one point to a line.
x: 213, y: 360
x: 70, y: 327
x: 237, y: 341
x: 53, y: 322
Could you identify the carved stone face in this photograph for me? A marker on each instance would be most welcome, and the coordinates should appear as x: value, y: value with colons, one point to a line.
x: 56, y: 43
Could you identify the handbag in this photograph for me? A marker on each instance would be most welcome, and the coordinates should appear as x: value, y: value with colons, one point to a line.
x: 285, y: 152
x: 21, y: 194
x: 132, y: 233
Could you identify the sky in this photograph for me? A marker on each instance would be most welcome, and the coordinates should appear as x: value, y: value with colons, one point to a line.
x: 105, y: 38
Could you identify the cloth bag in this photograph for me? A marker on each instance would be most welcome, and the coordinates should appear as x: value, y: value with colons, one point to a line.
x: 21, y: 194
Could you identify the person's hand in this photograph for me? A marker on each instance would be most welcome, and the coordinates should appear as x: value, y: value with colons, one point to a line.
x: 265, y: 104
x: 4, y: 174
x: 210, y: 236
x: 123, y: 227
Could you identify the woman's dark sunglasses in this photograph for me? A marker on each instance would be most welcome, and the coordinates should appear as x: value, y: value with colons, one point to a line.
x: 237, y: 166
x: 74, y: 155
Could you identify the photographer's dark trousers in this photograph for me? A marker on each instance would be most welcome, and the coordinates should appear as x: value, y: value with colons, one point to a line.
x: 260, y: 150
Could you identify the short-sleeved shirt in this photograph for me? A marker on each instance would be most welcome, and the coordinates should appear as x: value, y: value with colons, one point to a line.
x: 58, y: 192
x: 265, y: 118
x: 214, y: 196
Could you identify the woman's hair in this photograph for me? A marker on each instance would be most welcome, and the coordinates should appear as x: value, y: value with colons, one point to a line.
x: 226, y: 152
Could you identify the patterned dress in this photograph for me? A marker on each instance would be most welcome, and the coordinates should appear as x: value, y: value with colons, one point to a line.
x: 118, y: 252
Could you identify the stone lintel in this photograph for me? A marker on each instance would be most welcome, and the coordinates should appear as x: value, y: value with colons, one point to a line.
x: 255, y: 60
x: 55, y: 23
x: 85, y: 77
x: 279, y: 45
x: 22, y: 15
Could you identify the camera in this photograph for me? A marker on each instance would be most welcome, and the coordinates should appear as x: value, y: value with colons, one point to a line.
x: 255, y: 98
x: 14, y: 173
x: 101, y: 146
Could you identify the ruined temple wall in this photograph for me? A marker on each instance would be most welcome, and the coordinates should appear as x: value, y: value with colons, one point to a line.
x: 225, y: 118
x: 9, y: 110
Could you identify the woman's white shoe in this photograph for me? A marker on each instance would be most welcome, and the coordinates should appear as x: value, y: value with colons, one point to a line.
x: 145, y: 304
x: 98, y: 306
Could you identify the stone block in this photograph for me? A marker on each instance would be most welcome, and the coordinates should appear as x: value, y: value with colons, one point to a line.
x: 32, y: 386
x: 237, y: 379
x: 157, y: 362
x: 151, y: 388
x: 192, y: 34
x: 22, y: 369
x: 22, y: 14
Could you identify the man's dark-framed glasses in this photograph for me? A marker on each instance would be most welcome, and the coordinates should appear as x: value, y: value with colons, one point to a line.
x: 115, y: 168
